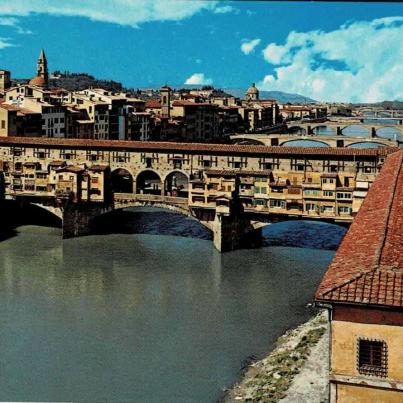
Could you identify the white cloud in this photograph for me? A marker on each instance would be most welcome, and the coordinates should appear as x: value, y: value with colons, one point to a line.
x: 4, y: 43
x: 198, y: 79
x: 8, y: 21
x: 13, y: 22
x: 123, y: 12
x: 225, y: 9
x: 361, y: 61
x: 249, y: 46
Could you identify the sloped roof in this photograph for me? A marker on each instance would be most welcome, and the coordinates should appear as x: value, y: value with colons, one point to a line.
x: 38, y: 81
x: 157, y: 146
x: 368, y: 265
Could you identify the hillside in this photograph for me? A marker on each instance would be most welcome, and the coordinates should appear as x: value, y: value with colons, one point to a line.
x: 281, y: 97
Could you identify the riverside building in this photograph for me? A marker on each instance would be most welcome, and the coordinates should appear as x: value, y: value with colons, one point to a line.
x: 363, y: 290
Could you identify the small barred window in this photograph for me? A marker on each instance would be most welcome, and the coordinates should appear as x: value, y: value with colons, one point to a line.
x: 372, y: 357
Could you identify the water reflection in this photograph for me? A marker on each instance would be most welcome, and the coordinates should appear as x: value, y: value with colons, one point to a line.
x: 304, y: 143
x: 145, y: 317
x: 366, y: 144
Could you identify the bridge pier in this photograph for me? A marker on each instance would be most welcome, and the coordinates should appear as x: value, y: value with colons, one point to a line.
x: 78, y: 219
x: 234, y: 232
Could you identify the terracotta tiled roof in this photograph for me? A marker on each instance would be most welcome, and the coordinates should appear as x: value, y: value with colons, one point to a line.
x: 71, y: 168
x: 153, y: 104
x: 193, y: 147
x: 38, y: 81
x: 99, y: 168
x: 368, y: 266
x: 190, y: 103
x: 8, y: 107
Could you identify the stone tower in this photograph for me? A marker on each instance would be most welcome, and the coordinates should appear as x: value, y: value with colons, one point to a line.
x: 5, y: 81
x: 42, y: 75
x: 42, y: 67
x: 165, y: 92
x: 253, y: 93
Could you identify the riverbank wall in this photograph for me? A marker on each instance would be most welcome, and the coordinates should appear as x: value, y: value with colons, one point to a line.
x: 295, y: 371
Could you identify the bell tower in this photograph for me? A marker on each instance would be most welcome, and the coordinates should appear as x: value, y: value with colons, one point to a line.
x: 42, y: 67
x: 165, y: 92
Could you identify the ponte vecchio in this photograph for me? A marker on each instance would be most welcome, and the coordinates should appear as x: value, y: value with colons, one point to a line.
x: 234, y: 190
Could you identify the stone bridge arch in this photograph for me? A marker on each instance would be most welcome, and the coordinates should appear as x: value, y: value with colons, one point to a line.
x: 249, y: 142
x: 397, y: 128
x: 122, y: 180
x: 175, y: 204
x: 314, y: 129
x: 363, y: 128
x: 149, y: 181
x: 308, y: 141
x: 368, y: 144
x: 176, y: 183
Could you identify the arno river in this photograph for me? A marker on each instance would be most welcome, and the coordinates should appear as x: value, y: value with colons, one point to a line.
x: 151, y: 313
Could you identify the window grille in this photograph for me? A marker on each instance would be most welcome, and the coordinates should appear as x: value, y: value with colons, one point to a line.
x: 372, y: 357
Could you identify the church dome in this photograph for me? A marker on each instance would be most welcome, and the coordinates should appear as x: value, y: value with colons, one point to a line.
x: 38, y: 81
x: 252, y: 89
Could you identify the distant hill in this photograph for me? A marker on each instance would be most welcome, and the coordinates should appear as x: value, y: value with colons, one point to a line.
x: 77, y: 81
x: 281, y: 97
x: 81, y: 81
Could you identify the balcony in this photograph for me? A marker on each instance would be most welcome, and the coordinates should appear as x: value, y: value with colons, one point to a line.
x: 328, y: 213
x: 311, y: 185
x: 247, y: 192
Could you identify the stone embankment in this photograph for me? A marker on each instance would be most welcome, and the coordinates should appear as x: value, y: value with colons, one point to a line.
x: 296, y: 371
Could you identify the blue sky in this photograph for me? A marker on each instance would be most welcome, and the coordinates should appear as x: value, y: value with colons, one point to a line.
x: 337, y: 51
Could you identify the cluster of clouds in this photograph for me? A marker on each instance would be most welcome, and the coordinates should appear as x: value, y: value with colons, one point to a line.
x: 361, y: 61
x: 123, y: 12
x: 198, y: 79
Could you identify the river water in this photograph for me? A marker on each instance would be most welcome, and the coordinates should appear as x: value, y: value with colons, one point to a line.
x: 151, y: 313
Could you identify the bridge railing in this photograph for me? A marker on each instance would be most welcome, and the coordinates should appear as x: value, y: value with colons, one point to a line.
x: 124, y: 198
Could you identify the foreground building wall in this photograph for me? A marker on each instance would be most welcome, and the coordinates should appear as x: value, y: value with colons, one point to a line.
x: 363, y: 289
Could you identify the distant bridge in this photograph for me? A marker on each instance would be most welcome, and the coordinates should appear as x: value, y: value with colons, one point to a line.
x: 339, y: 126
x: 377, y: 111
x: 327, y: 141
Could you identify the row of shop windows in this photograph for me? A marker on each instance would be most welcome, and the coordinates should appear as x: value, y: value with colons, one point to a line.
x: 203, y: 161
x: 328, y: 193
x: 308, y: 206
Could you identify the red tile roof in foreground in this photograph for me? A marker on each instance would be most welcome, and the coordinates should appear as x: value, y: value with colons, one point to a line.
x: 155, y: 146
x: 368, y: 265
